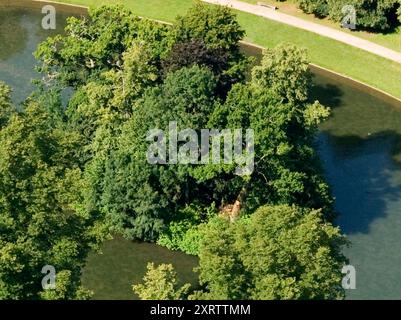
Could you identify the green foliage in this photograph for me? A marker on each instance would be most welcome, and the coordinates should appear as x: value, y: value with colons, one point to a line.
x: 273, y: 73
x: 66, y: 289
x: 286, y: 167
x: 39, y: 221
x: 96, y: 44
x: 119, y: 95
x: 185, y: 233
x: 130, y: 76
x: 371, y: 14
x: 280, y: 252
x: 217, y: 27
x: 139, y: 196
x: 399, y: 13
x: 160, y: 283
x: 320, y: 8
x: 186, y: 54
x: 211, y: 35
x: 141, y: 199
x: 117, y: 101
x: 108, y: 100
x: 6, y: 108
x: 195, y: 52
x: 181, y: 235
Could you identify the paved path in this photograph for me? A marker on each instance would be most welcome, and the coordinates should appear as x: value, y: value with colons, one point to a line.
x: 311, y: 26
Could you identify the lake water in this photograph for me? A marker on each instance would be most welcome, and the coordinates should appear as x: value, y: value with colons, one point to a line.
x: 360, y: 147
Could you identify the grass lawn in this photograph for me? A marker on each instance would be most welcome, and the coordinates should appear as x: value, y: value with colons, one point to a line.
x: 358, y: 64
x: 165, y: 10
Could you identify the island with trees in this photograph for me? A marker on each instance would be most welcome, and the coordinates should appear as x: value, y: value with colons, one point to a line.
x: 74, y: 170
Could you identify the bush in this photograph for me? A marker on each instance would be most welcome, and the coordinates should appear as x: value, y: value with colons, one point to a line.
x: 370, y: 14
x: 279, y: 252
x: 185, y: 234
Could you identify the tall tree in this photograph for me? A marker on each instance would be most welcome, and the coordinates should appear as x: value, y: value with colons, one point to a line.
x: 160, y: 283
x: 284, y: 70
x: 217, y: 28
x: 108, y: 101
x: 40, y: 223
x: 274, y: 104
x: 97, y: 43
x: 138, y: 196
x: 280, y: 252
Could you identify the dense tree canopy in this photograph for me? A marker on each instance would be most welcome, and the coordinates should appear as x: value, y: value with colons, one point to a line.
x: 216, y: 30
x: 216, y: 26
x: 39, y: 221
x: 284, y: 171
x: 70, y: 175
x: 141, y: 197
x: 280, y: 252
x: 116, y: 105
x: 96, y: 43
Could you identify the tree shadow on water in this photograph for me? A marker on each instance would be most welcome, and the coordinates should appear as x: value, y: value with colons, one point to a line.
x: 365, y: 176
x: 327, y: 94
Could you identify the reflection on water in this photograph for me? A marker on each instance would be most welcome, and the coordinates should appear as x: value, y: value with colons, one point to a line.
x: 360, y: 147
x: 20, y: 33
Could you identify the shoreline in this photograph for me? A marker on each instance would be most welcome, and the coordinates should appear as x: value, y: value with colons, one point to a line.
x: 369, y: 89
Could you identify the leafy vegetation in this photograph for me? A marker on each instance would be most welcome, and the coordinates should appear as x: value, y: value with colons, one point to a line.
x: 160, y: 283
x: 279, y: 252
x: 40, y: 219
x: 71, y: 175
x: 376, y: 15
x: 363, y: 66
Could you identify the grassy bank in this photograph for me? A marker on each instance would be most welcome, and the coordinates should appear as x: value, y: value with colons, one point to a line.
x: 353, y: 62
